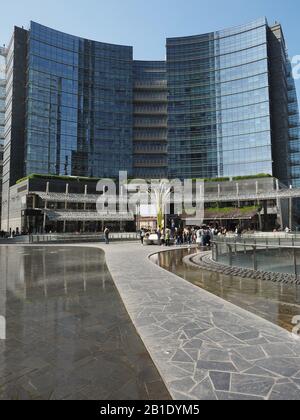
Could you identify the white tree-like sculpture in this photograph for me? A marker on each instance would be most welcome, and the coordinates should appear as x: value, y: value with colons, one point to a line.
x: 161, y: 192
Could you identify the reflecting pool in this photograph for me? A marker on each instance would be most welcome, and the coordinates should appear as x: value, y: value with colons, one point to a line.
x: 68, y: 334
x: 278, y: 303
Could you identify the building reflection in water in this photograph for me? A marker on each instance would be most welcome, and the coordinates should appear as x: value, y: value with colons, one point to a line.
x: 68, y: 333
x: 38, y: 284
x: 23, y: 271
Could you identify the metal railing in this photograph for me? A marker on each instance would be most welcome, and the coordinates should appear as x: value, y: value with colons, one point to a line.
x: 150, y: 150
x: 150, y: 98
x: 276, y: 255
x: 77, y: 238
x: 152, y: 85
x: 150, y: 164
x: 252, y: 196
x: 150, y: 124
x: 151, y: 110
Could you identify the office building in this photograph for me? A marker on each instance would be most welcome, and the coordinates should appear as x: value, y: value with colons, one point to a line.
x: 222, y: 105
x: 232, y: 106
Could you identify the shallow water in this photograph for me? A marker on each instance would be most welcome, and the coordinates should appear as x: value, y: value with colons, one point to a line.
x: 68, y: 334
x: 277, y: 303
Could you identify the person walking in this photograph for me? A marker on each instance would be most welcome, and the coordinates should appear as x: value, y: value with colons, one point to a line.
x: 189, y: 237
x: 163, y: 237
x: 142, y: 235
x: 199, y: 238
x: 179, y: 237
x: 106, y: 235
x: 206, y: 236
x: 238, y: 232
x: 168, y: 237
x: 159, y: 236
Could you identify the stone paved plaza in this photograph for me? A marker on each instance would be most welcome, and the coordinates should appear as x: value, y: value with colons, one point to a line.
x: 203, y: 347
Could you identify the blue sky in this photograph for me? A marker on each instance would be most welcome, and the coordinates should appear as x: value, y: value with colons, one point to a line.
x: 145, y: 24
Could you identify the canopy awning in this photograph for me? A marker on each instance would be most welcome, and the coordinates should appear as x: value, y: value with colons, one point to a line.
x: 91, y: 216
x: 230, y: 214
x: 69, y: 198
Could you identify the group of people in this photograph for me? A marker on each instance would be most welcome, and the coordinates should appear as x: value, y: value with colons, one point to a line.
x: 202, y: 236
x: 11, y: 233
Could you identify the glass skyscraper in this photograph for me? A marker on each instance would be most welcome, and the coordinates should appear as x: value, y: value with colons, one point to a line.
x: 222, y: 104
x: 219, y: 103
x: 79, y: 106
x: 294, y: 129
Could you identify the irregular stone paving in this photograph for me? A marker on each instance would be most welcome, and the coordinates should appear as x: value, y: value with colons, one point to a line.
x: 204, y: 260
x: 204, y: 347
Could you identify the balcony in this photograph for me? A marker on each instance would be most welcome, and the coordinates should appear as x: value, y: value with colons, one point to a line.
x: 150, y: 137
x: 150, y: 150
x: 151, y: 85
x: 150, y: 163
x: 151, y: 124
x: 150, y: 98
x: 147, y: 110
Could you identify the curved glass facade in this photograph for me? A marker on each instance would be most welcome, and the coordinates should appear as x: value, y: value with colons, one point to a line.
x: 294, y: 130
x: 219, y: 104
x: 223, y: 104
x: 79, y: 106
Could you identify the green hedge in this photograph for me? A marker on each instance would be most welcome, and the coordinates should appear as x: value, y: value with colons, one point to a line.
x: 57, y: 178
x: 224, y: 179
x: 230, y: 209
x: 241, y: 178
x: 236, y: 178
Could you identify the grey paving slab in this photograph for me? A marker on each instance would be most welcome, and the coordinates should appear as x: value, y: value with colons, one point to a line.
x: 285, y: 392
x: 251, y: 384
x: 221, y: 381
x: 204, y: 347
